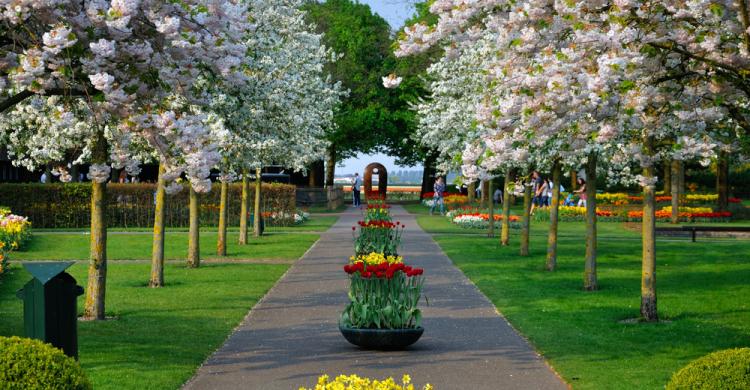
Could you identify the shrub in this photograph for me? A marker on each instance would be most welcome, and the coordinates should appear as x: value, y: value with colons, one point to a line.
x: 32, y: 364
x: 67, y: 205
x: 721, y: 370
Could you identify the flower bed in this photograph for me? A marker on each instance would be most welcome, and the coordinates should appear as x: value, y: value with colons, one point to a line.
x: 15, y: 231
x: 343, y: 382
x: 482, y: 220
x: 282, y: 218
x: 450, y: 200
x: 578, y: 214
x: 620, y: 199
x: 685, y: 216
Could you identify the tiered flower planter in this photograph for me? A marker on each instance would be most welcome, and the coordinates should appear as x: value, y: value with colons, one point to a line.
x: 384, y: 292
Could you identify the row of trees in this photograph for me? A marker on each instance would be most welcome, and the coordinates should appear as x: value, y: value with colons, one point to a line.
x: 193, y: 85
x: 611, y: 85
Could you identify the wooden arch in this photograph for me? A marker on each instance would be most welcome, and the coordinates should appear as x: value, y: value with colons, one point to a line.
x: 382, y: 173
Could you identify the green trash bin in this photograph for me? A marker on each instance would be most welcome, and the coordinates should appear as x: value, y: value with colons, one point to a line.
x: 49, y: 305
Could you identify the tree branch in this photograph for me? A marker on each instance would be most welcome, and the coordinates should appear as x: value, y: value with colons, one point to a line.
x: 673, y: 47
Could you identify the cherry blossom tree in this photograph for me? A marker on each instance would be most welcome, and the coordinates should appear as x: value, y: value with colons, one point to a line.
x: 585, y: 78
x: 137, y: 67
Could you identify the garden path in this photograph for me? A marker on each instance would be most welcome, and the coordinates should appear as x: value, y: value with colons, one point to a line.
x: 291, y: 336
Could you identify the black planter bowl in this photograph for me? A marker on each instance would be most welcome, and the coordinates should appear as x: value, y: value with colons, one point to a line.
x: 383, y: 339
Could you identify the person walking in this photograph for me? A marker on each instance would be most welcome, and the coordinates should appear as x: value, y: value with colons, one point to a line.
x: 356, y: 185
x: 437, y: 198
x: 539, y: 191
x: 581, y: 191
x: 497, y: 197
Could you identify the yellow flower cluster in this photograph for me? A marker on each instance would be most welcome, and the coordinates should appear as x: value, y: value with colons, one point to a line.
x: 14, y: 231
x: 375, y: 258
x: 691, y: 210
x: 455, y: 199
x: 572, y: 210
x: 354, y: 382
x: 707, y: 198
x: 618, y: 198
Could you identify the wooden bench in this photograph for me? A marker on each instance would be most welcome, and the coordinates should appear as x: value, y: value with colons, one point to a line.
x: 694, y: 229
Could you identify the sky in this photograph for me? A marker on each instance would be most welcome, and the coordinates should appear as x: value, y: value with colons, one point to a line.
x: 395, y: 12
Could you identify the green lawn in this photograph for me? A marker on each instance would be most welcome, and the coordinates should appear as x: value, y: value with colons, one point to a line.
x: 703, y: 291
x: 159, y: 336
x: 137, y: 246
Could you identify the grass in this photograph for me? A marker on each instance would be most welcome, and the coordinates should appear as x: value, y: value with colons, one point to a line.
x: 702, y: 287
x: 137, y: 246
x: 159, y: 336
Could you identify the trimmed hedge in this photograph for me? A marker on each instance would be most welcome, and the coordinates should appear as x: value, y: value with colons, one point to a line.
x: 67, y: 205
x: 32, y: 364
x: 722, y: 370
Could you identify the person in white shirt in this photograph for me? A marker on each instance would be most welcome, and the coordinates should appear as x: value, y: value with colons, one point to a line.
x: 43, y: 179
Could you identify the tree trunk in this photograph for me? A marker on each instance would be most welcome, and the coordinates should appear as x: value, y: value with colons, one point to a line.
x: 194, y: 256
x: 675, y: 191
x: 722, y: 180
x: 505, y: 233
x: 256, y: 210
x: 428, y: 176
x: 97, y: 273
x: 330, y: 165
x: 525, y: 222
x: 648, y: 268
x: 491, y: 214
x: 485, y: 195
x: 553, y: 217
x: 316, y: 174
x: 157, y: 247
x: 667, y: 176
x: 221, y: 242
x: 244, y: 208
x: 590, y: 282
x: 573, y: 179
x: 472, y: 191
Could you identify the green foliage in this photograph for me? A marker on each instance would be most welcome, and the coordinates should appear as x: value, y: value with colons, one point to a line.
x: 372, y: 117
x: 722, y: 370
x: 362, y: 40
x: 383, y: 303
x: 68, y: 205
x: 32, y: 364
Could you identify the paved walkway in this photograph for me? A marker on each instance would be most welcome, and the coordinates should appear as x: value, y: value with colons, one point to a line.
x: 291, y: 336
